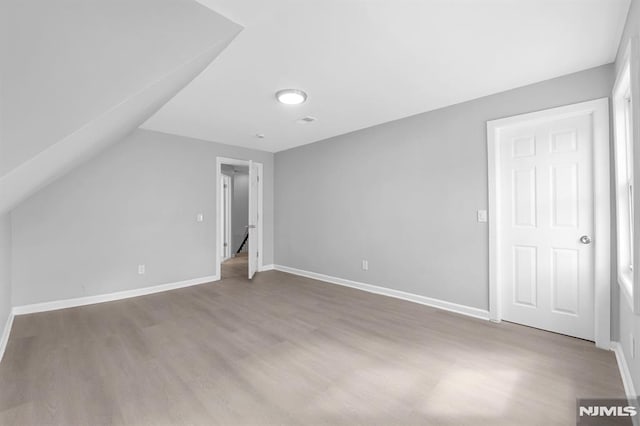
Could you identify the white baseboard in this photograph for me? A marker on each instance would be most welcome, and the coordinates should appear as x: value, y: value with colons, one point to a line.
x: 627, y: 381
x: 90, y: 300
x: 269, y: 267
x: 423, y: 300
x: 5, y: 334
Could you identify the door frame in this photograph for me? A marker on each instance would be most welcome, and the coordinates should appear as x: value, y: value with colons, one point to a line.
x: 599, y: 110
x: 226, y: 217
x: 219, y: 239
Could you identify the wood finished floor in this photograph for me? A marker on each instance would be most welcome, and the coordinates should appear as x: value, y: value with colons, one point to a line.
x: 236, y: 267
x: 290, y: 350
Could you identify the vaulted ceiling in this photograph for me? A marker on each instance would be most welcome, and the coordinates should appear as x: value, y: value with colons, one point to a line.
x: 365, y: 62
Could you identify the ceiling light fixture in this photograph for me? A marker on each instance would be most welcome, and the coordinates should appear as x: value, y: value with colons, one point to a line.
x: 291, y: 96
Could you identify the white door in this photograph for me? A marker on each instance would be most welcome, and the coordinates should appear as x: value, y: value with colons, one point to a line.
x: 226, y: 217
x: 253, y: 219
x: 546, y: 225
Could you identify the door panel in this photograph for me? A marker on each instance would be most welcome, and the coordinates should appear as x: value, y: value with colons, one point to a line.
x: 523, y: 146
x: 525, y: 280
x: 524, y: 197
x: 565, y: 280
x: 226, y: 217
x: 546, y: 199
x: 253, y: 219
x: 564, y: 196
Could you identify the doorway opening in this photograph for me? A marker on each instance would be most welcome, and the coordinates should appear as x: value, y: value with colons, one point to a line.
x: 239, y: 224
x: 235, y: 220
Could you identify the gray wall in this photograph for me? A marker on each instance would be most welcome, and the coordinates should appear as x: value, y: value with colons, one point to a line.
x: 626, y: 322
x: 240, y: 209
x: 5, y: 270
x: 136, y: 203
x: 404, y: 195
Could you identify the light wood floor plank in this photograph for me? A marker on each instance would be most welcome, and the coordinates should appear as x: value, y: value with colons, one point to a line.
x: 290, y: 350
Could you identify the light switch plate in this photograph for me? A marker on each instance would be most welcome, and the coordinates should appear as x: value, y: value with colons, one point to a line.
x: 482, y: 215
x: 200, y: 217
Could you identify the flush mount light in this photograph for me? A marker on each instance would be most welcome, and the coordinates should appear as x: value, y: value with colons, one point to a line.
x: 291, y: 96
x: 260, y: 135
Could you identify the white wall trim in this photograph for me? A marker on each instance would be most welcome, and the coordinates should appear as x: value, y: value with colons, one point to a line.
x: 109, y: 297
x: 627, y: 381
x: 237, y: 162
x: 423, y: 300
x: 599, y: 110
x: 269, y: 267
x: 5, y: 334
x: 628, y: 76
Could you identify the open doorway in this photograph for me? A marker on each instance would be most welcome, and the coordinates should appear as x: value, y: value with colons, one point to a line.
x: 235, y: 221
x: 239, y: 224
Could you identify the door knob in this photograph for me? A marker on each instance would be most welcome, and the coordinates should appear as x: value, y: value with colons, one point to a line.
x: 585, y: 239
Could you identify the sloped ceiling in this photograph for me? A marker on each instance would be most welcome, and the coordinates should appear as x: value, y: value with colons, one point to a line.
x: 78, y: 75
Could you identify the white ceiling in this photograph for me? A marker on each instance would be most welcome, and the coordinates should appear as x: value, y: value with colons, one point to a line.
x: 365, y: 62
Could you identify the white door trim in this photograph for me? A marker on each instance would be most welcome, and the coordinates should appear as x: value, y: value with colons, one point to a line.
x: 219, y: 240
x: 226, y: 217
x: 599, y: 109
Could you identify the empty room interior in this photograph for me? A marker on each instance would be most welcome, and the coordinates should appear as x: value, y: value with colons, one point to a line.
x: 349, y: 212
